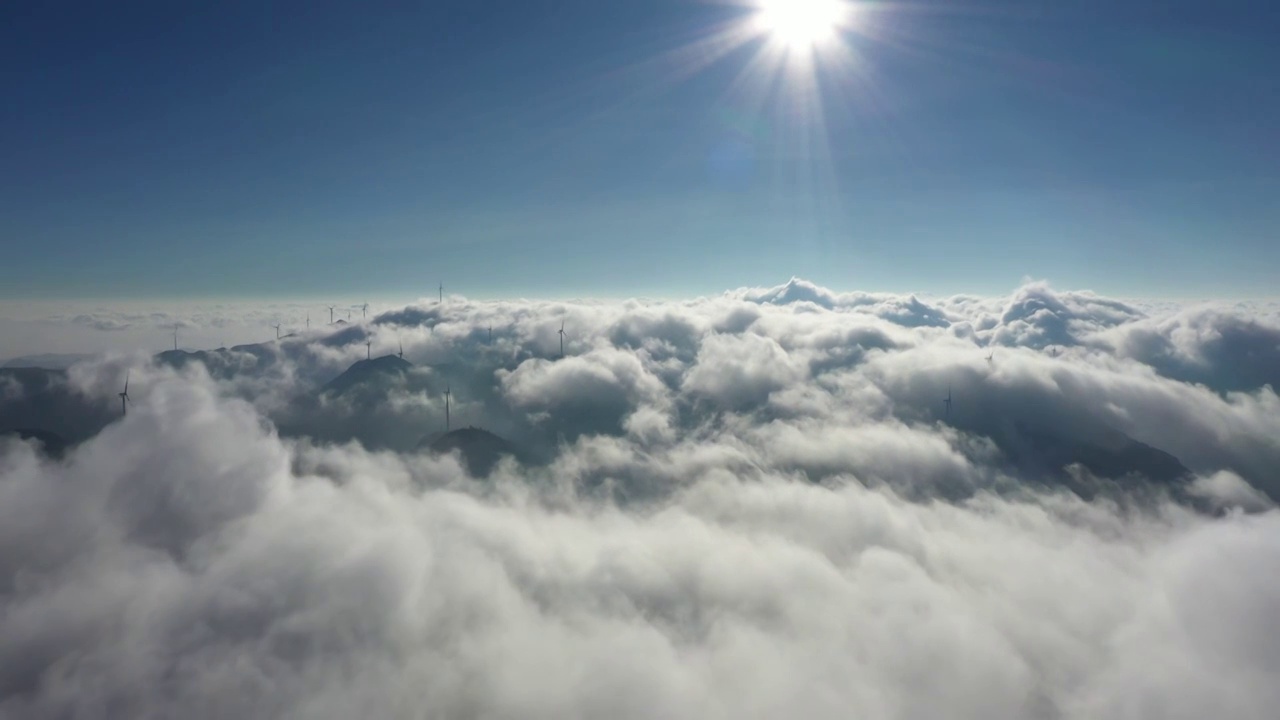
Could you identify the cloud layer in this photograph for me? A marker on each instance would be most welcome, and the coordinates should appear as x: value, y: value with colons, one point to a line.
x: 750, y: 505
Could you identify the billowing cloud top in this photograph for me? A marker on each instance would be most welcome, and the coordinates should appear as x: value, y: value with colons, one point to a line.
x: 752, y: 505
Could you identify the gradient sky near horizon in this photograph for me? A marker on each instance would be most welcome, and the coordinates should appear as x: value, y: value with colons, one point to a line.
x: 656, y: 147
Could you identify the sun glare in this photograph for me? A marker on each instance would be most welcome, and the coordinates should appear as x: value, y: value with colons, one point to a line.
x: 801, y: 24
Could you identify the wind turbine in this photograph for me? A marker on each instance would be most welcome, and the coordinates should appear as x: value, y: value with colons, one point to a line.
x: 992, y: 357
x: 348, y: 313
x: 277, y: 327
x: 330, y: 314
x: 175, y: 337
x: 441, y: 293
x: 561, y: 338
x: 124, y: 397
x: 368, y: 349
x: 364, y: 311
x: 308, y: 321
x: 948, y: 403
x: 401, y: 356
x: 446, y: 408
x: 490, y: 334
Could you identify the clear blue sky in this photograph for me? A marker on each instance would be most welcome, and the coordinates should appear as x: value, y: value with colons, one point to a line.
x: 577, y: 147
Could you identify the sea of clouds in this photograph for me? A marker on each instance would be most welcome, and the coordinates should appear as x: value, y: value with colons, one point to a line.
x: 747, y: 505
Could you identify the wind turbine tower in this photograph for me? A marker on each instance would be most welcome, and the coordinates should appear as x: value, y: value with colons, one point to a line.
x: 124, y: 397
x: 561, y: 338
x: 446, y: 408
x: 368, y: 349
x: 441, y: 293
x: 330, y: 314
x: 401, y: 355
x: 175, y: 337
x: 308, y: 321
x: 277, y: 327
x: 948, y: 403
x: 364, y: 311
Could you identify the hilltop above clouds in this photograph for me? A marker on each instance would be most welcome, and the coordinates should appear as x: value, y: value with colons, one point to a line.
x: 1046, y: 385
x: 731, y: 506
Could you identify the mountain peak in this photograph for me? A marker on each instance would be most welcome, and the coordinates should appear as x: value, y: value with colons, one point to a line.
x: 366, y: 371
x: 479, y: 449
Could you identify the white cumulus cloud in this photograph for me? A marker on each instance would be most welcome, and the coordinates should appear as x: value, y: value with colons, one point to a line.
x: 750, y: 505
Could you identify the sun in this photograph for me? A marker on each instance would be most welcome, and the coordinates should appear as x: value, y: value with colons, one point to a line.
x: 801, y: 24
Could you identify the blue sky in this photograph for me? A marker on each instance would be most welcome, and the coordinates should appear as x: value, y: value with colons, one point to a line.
x: 159, y: 149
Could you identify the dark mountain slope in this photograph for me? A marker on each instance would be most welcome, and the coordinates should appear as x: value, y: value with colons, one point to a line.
x: 479, y: 449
